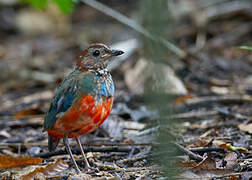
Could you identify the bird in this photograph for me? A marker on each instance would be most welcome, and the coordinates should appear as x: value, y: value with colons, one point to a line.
x: 83, y: 100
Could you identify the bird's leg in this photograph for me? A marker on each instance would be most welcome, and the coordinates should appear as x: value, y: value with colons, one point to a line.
x: 87, y: 166
x: 65, y: 139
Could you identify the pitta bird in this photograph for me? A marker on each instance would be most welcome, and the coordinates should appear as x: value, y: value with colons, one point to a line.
x: 83, y: 100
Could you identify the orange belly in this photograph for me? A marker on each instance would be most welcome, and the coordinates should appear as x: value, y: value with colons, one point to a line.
x: 83, y: 117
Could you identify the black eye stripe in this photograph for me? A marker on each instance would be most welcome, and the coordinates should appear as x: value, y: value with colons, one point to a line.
x: 96, y: 53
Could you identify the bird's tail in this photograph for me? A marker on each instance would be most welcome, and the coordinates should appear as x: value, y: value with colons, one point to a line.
x: 52, y: 144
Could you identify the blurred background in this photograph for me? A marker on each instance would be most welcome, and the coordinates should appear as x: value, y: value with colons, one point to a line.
x: 175, y: 50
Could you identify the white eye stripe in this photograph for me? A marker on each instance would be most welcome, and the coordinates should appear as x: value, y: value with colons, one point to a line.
x: 104, y: 55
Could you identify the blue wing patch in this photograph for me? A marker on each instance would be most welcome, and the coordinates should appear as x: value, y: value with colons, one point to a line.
x: 107, y: 90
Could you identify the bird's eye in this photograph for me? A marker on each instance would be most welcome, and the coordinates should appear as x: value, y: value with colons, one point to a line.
x: 96, y: 53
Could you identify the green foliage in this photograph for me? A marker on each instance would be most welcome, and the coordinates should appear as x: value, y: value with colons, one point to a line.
x: 38, y: 4
x: 66, y: 6
x: 246, y: 47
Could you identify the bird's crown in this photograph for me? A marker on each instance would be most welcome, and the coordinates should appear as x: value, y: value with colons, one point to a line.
x: 96, y: 57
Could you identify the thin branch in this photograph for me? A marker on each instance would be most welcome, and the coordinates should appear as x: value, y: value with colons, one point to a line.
x: 189, y: 153
x: 76, y: 150
x: 206, y: 149
x: 129, y: 22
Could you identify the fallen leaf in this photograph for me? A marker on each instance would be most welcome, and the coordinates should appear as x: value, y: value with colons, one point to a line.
x: 188, y: 164
x: 182, y: 99
x: 50, y: 169
x: 206, y: 169
x: 217, y: 142
x: 7, y: 161
x: 28, y: 112
x: 231, y: 159
x: 200, y: 143
x: 207, y: 164
x: 219, y: 90
x: 246, y: 127
x: 146, y: 75
x: 233, y: 178
x: 81, y: 176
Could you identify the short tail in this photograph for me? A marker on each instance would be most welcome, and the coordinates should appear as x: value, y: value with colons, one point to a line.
x: 52, y: 144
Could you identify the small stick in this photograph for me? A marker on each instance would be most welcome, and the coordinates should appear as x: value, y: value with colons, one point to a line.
x: 76, y: 150
x: 137, y: 27
x: 2, y: 144
x: 206, y: 149
x: 232, y: 174
x: 189, y: 153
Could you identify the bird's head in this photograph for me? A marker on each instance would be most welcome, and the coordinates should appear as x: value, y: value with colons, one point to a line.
x: 96, y: 57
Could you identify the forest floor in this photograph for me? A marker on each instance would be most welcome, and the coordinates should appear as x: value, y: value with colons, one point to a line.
x: 213, y: 128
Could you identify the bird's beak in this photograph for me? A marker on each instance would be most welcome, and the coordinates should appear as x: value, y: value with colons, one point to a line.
x: 115, y: 52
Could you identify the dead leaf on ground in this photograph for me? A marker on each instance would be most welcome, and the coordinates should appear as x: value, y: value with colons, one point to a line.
x: 206, y: 164
x: 203, y: 142
x: 50, y: 169
x: 7, y: 161
x: 246, y: 127
x: 188, y: 164
x: 231, y: 160
x: 82, y: 176
x: 145, y: 75
x: 206, y: 169
x: 183, y: 99
x: 28, y: 112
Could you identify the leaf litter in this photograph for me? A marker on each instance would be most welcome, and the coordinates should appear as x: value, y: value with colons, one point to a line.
x: 212, y: 108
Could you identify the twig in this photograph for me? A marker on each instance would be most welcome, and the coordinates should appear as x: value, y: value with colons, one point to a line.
x: 76, y: 150
x: 194, y: 114
x: 129, y: 22
x: 134, y: 169
x: 148, y: 131
x: 206, y: 149
x: 130, y: 160
x: 225, y: 112
x: 227, y: 8
x: 219, y: 99
x: 88, y: 144
x: 232, y: 174
x: 231, y: 37
x: 189, y: 153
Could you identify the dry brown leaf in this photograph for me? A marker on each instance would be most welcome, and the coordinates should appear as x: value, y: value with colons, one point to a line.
x: 7, y: 161
x: 197, y: 126
x: 246, y: 127
x: 200, y: 143
x: 188, y: 164
x: 106, y: 178
x: 50, y: 169
x: 233, y: 178
x: 81, y: 176
x: 231, y: 159
x: 217, y: 142
x: 206, y: 164
x: 207, y: 168
x: 28, y: 112
x: 208, y: 132
x: 183, y: 99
